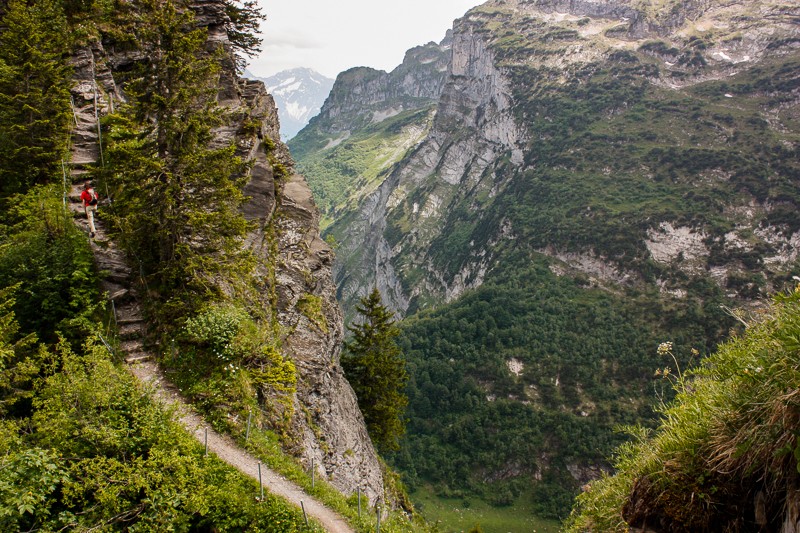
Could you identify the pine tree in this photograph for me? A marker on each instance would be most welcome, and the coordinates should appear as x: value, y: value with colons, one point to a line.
x: 375, y: 367
x: 34, y: 94
x: 245, y: 18
x: 177, y: 193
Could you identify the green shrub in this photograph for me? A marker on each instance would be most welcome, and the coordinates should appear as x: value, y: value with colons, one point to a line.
x: 41, y: 249
x: 216, y: 330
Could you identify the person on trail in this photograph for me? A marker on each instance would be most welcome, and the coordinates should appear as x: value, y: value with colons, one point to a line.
x: 89, y: 198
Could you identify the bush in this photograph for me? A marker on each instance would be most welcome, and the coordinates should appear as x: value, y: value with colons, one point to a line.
x: 42, y: 249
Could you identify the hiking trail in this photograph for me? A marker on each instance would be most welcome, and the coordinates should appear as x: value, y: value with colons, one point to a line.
x: 117, y: 281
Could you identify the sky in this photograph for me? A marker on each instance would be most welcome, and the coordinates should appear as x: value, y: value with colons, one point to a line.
x: 331, y: 36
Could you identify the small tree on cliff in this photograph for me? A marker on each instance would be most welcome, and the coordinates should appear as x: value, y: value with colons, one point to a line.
x: 375, y: 368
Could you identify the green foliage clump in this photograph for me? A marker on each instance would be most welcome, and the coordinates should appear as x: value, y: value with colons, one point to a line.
x: 43, y: 252
x: 311, y: 306
x: 99, y: 453
x: 224, y: 360
x: 216, y: 329
x: 730, y: 433
x: 375, y: 367
x: 34, y: 94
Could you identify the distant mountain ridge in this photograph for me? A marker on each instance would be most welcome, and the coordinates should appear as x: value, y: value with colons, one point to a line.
x: 299, y: 94
x: 375, y: 114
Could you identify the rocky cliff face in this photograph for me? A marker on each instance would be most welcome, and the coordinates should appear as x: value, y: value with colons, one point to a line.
x: 488, y: 124
x: 473, y: 127
x: 364, y: 95
x: 326, y: 419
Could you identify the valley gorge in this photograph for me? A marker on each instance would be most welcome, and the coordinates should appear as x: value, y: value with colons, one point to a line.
x: 589, y: 180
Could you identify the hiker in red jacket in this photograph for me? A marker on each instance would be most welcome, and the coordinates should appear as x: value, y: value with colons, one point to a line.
x: 89, y: 198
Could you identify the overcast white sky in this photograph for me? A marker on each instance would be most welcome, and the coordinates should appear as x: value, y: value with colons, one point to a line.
x: 331, y: 36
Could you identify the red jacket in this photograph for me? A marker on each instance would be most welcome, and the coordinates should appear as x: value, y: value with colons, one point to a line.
x: 87, y: 195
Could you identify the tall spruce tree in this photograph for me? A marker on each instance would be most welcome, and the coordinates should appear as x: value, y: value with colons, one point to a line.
x: 177, y: 193
x: 34, y: 94
x: 375, y: 367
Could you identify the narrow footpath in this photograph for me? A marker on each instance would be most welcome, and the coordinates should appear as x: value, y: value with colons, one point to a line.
x: 116, y: 281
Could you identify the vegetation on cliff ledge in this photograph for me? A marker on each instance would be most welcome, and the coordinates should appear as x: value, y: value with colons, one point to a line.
x: 726, y: 454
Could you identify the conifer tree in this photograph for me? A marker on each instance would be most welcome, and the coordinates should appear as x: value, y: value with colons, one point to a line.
x: 375, y: 367
x: 34, y: 94
x: 177, y: 193
x: 245, y: 18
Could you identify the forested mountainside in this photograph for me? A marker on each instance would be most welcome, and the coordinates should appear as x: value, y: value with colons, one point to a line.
x: 224, y: 258
x: 595, y: 178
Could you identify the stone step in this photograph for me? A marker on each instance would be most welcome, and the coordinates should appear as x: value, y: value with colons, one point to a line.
x: 85, y: 156
x: 124, y: 320
x: 138, y: 358
x: 131, y: 330
x: 118, y: 295
x: 113, y: 267
x: 112, y: 264
x: 84, y: 136
x: 127, y: 315
x: 118, y: 277
x: 131, y: 346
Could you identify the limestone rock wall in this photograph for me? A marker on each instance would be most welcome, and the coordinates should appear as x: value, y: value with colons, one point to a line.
x: 365, y: 94
x: 473, y: 127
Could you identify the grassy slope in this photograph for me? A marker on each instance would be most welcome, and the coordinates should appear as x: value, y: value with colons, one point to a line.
x: 464, y: 514
x: 730, y: 433
x: 341, y: 169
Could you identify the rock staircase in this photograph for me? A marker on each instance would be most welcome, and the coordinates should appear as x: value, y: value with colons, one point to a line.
x: 91, y: 98
x: 116, y: 282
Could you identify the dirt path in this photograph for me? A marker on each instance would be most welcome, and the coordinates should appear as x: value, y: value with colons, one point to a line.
x: 116, y: 282
x: 228, y: 451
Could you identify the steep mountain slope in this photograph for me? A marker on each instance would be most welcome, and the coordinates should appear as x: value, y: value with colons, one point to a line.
x: 368, y: 123
x: 598, y: 177
x: 556, y: 119
x: 299, y: 94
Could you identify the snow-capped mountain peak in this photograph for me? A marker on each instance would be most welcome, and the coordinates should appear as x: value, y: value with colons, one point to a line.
x: 299, y: 94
